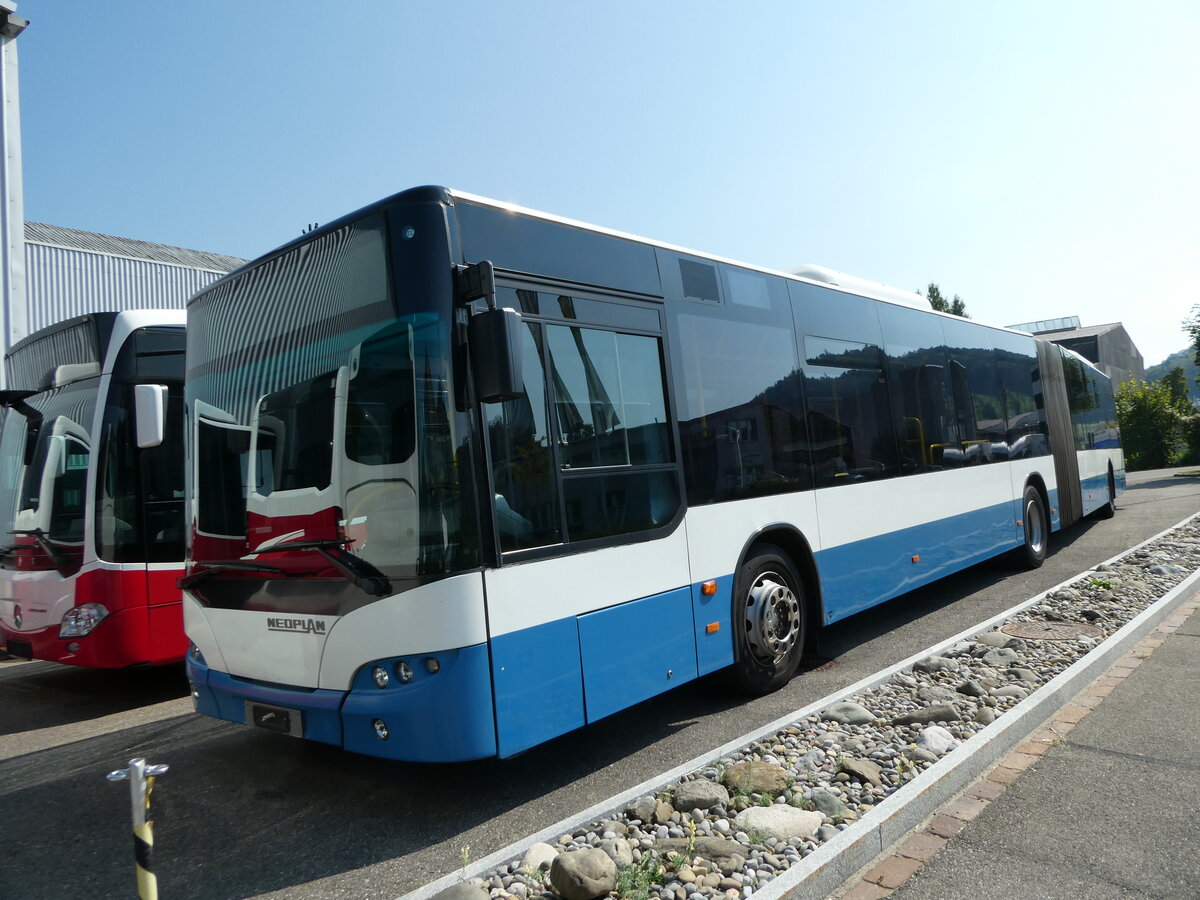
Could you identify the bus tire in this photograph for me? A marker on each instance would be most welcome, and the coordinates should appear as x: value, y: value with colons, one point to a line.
x: 1109, y: 509
x: 1032, y: 553
x: 769, y: 621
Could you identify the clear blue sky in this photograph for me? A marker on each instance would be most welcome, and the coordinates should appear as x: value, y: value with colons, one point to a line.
x: 1037, y: 158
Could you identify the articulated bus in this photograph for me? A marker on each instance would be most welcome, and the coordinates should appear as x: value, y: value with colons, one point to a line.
x: 464, y: 477
x: 91, y: 492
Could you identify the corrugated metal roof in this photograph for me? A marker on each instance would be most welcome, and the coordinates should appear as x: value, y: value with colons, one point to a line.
x: 57, y: 236
x: 1087, y: 331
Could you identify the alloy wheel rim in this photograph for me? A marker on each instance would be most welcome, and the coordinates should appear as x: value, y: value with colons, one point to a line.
x: 772, y: 617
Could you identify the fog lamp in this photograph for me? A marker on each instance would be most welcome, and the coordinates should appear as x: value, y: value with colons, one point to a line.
x: 432, y: 666
x: 79, y: 621
x: 381, y: 729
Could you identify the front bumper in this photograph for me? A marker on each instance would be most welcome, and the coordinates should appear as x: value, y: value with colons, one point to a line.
x: 445, y: 716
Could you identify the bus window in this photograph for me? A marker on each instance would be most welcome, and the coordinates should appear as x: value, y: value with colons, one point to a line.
x: 608, y: 397
x: 381, y: 418
x: 849, y: 414
x: 526, y: 494
x: 978, y: 397
x: 221, y: 491
x: 69, y: 456
x: 921, y: 397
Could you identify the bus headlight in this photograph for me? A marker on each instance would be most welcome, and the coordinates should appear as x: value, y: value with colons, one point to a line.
x: 381, y: 677
x: 79, y: 621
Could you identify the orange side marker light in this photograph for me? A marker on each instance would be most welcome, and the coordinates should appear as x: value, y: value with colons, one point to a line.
x: 708, y: 588
x: 712, y: 627
x: 916, y: 559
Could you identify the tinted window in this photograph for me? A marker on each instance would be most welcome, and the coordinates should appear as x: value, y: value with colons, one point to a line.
x: 849, y: 407
x: 526, y: 491
x: 978, y: 398
x: 380, y: 400
x: 295, y: 436
x: 69, y: 455
x: 741, y: 393
x: 1020, y: 382
x: 592, y: 429
x: 608, y: 398
x: 922, y: 398
x: 221, y: 487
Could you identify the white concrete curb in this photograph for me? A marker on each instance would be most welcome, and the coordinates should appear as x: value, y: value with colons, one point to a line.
x: 836, y: 860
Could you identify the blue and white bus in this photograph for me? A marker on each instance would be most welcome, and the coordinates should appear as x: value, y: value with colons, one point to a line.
x: 448, y: 457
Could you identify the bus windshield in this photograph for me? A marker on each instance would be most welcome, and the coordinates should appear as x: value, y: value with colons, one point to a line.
x: 304, y: 427
x: 42, y: 503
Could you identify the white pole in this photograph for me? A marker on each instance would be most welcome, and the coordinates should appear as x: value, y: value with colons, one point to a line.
x: 12, y: 196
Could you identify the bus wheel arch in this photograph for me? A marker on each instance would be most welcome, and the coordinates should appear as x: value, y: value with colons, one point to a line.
x: 774, y: 603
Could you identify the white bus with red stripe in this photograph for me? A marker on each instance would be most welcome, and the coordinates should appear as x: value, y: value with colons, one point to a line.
x: 91, y: 491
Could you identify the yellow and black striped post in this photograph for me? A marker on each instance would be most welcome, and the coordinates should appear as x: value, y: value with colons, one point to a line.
x: 141, y: 783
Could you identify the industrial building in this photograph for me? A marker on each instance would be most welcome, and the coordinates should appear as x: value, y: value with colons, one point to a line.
x: 1108, y: 346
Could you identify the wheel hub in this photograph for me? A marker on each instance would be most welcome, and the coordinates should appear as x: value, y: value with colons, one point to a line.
x: 772, y: 618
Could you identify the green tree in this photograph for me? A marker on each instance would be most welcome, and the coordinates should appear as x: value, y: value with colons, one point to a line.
x: 955, y: 307
x: 1150, y: 424
x: 1176, y: 382
x: 1192, y: 326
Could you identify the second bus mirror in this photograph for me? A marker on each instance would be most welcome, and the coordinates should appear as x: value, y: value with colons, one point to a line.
x: 494, y: 338
x: 150, y: 413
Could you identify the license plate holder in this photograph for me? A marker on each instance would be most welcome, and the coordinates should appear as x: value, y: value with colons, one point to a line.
x: 280, y: 719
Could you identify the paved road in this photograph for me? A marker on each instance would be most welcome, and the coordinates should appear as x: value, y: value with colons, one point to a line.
x: 244, y: 813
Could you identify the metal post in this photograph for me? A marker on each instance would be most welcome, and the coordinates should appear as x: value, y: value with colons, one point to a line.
x: 14, y: 314
x: 141, y: 783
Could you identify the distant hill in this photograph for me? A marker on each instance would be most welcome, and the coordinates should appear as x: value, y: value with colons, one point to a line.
x: 1181, y: 359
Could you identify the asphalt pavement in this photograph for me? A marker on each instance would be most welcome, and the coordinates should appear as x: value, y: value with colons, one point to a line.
x: 1108, y: 811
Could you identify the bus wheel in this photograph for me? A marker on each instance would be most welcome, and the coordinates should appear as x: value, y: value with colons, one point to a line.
x: 1109, y: 509
x: 1037, y: 529
x: 768, y: 621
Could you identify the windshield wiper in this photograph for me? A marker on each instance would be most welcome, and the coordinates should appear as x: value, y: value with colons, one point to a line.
x: 47, y: 546
x: 354, y: 569
x: 232, y: 565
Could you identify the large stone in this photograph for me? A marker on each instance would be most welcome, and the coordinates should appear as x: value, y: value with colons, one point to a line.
x: 618, y: 851
x: 642, y: 809
x: 863, y: 770
x: 971, y: 689
x: 786, y: 823
x: 583, y: 874
x: 936, y: 664
x: 756, y: 777
x: 848, y: 713
x: 1010, y: 690
x: 700, y: 794
x: 539, y: 856
x: 728, y: 856
x: 461, y: 891
x: 662, y: 812
x: 992, y: 638
x: 1001, y: 657
x: 942, y: 712
x: 932, y: 693
x: 936, y: 739
x: 828, y: 803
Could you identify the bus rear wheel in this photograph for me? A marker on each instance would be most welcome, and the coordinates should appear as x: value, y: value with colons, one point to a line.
x: 1109, y: 509
x: 1037, y: 529
x: 769, y: 621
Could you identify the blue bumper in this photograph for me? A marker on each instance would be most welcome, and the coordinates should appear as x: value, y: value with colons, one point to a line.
x: 442, y: 716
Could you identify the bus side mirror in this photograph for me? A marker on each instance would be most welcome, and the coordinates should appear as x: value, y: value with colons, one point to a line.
x: 494, y: 338
x: 150, y: 414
